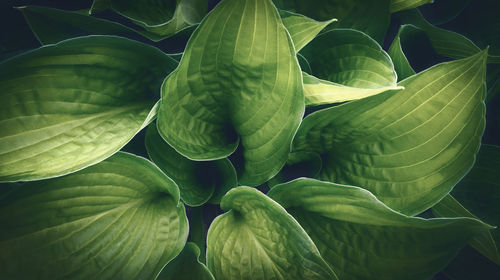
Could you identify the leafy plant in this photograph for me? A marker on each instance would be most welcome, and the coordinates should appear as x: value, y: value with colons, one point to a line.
x: 249, y: 139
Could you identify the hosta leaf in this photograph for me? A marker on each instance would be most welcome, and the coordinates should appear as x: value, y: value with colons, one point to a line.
x: 399, y: 5
x: 52, y: 25
x: 165, y: 17
x: 73, y: 104
x: 443, y: 11
x: 483, y: 242
x: 299, y: 164
x: 408, y: 148
x: 238, y: 81
x: 301, y: 28
x: 349, y: 64
x: 368, y: 16
x: 186, y: 266
x: 479, y: 193
x: 401, y: 64
x: 99, y: 6
x: 318, y: 92
x: 197, y: 181
x: 119, y: 219
x: 258, y: 239
x: 361, y: 237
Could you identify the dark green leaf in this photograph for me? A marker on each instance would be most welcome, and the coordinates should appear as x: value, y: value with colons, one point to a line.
x: 73, y: 104
x: 362, y: 238
x: 238, y: 81
x: 401, y: 64
x: 186, y: 266
x: 119, y: 219
x: 258, y: 239
x: 399, y: 5
x: 408, y: 148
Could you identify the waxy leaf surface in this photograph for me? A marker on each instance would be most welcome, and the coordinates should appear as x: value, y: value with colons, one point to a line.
x: 238, y: 81
x: 198, y: 181
x: 186, y: 266
x: 409, y: 148
x: 361, y: 237
x: 73, y: 104
x: 258, y: 239
x: 119, y: 219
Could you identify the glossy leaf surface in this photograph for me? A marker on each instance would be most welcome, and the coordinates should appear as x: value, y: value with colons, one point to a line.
x: 119, y: 219
x: 73, y: 104
x: 258, y: 239
x: 198, y: 181
x: 186, y: 266
x: 361, y: 237
x: 238, y: 81
x: 408, y: 148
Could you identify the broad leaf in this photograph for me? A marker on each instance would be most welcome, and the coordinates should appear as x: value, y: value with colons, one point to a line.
x: 119, y: 219
x: 484, y: 242
x: 443, y: 11
x: 299, y: 164
x: 52, y: 25
x: 73, y: 104
x: 408, y: 148
x: 318, y: 92
x: 258, y: 239
x: 368, y: 16
x: 165, y: 17
x: 361, y: 237
x: 186, y: 266
x: 399, y: 5
x: 238, y: 81
x: 401, y: 64
x: 479, y: 192
x: 301, y: 28
x: 197, y: 181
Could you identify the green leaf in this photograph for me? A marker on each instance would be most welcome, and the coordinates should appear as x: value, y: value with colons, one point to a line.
x: 483, y: 242
x: 52, y: 25
x: 399, y: 5
x: 361, y: 237
x: 349, y: 64
x: 165, y: 17
x: 301, y: 28
x: 119, y: 219
x: 70, y: 105
x: 99, y: 6
x: 186, y: 266
x: 479, y: 192
x: 318, y: 92
x: 238, y: 81
x: 408, y: 148
x: 299, y: 164
x: 401, y: 64
x: 258, y: 239
x: 197, y: 181
x: 368, y: 16
x: 443, y: 11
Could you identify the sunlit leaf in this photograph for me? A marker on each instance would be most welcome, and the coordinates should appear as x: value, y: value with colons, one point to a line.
x: 361, y: 237
x: 399, y: 5
x: 73, y: 104
x: 237, y: 81
x: 186, y: 266
x: 409, y: 148
x: 258, y: 239
x: 401, y: 64
x: 197, y: 181
x: 119, y: 219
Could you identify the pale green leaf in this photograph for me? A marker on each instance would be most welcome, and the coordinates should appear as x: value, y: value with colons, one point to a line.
x: 186, y: 266
x: 369, y: 16
x: 483, y: 242
x: 119, y: 219
x: 258, y: 239
x: 399, y: 5
x: 301, y: 28
x: 318, y: 92
x: 347, y: 65
x: 238, y: 81
x: 198, y: 181
x: 73, y: 104
x: 479, y: 193
x: 401, y: 64
x: 361, y: 237
x: 409, y: 148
